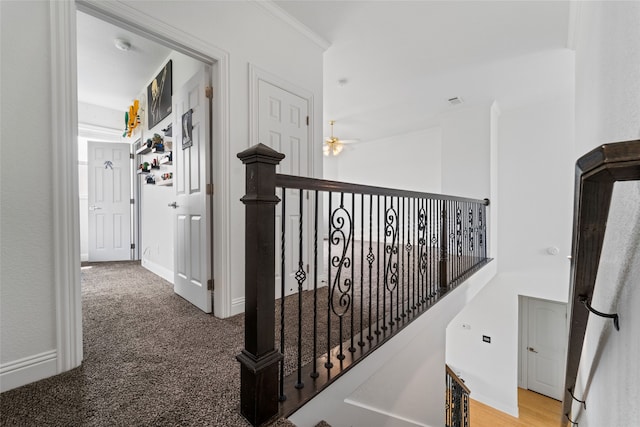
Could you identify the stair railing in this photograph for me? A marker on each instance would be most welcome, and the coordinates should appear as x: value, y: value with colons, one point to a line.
x: 352, y: 264
x: 596, y: 173
x: 457, y: 400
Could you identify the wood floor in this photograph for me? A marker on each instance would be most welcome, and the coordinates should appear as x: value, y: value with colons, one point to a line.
x: 536, y: 410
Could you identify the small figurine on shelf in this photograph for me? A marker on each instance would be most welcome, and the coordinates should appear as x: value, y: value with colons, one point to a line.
x: 151, y: 179
x: 144, y: 167
x: 154, y: 164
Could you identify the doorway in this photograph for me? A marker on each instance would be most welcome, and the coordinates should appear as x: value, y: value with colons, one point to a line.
x: 201, y: 53
x: 543, y: 342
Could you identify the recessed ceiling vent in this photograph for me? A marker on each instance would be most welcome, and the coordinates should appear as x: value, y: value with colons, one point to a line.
x: 455, y: 101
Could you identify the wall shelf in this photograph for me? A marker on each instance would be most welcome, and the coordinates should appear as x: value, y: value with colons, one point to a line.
x: 168, y: 182
x: 141, y: 172
x: 143, y: 150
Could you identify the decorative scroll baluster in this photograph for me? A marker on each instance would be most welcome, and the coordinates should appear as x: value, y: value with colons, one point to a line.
x: 391, y: 250
x: 422, y: 252
x: 343, y: 288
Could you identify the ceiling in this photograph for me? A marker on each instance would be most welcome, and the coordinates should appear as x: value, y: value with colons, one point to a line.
x: 402, y: 60
x: 110, y: 77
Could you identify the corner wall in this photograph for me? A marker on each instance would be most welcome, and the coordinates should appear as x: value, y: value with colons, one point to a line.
x: 608, y: 110
x: 535, y: 148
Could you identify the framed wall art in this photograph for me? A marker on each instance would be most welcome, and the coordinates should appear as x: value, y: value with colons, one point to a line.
x: 159, y: 94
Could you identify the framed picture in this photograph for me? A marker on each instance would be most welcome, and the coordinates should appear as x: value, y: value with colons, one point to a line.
x: 187, y: 130
x: 159, y: 94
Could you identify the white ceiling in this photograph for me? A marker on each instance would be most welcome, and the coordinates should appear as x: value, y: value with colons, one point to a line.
x: 110, y: 77
x: 402, y: 59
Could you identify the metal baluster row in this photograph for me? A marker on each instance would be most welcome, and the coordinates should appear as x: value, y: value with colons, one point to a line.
x: 426, y: 245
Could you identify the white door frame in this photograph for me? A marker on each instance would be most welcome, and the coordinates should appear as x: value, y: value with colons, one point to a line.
x: 65, y: 158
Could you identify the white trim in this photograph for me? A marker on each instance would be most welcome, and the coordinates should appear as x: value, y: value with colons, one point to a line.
x: 65, y: 213
x: 523, y: 339
x: 27, y: 370
x: 237, y: 306
x: 86, y: 130
x: 285, y: 17
x: 128, y: 17
x: 158, y: 269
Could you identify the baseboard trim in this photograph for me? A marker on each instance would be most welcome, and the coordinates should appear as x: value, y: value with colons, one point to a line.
x: 161, y: 271
x: 27, y: 370
x: 237, y: 306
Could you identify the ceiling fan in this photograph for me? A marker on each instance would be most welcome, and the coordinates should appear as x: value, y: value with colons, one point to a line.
x: 333, y: 145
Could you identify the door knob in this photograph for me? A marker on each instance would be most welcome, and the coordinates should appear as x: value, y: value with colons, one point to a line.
x: 173, y: 205
x: 94, y: 207
x: 531, y: 349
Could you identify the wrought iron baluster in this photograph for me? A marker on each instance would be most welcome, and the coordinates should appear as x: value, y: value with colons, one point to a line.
x: 378, y: 267
x: 352, y: 347
x: 282, y: 289
x: 370, y: 259
x: 402, y: 213
x: 384, y: 283
x: 413, y: 257
x: 301, y: 277
x: 314, y: 373
x: 361, y: 342
x: 328, y: 364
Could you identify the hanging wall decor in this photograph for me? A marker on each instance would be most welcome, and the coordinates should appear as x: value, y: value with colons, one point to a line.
x: 187, y: 130
x: 159, y: 94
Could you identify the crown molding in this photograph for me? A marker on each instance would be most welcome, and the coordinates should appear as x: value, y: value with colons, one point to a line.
x: 284, y: 16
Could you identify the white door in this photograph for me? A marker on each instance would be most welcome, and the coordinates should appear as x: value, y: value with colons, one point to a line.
x: 109, y: 199
x: 282, y: 125
x: 546, y: 346
x: 192, y: 229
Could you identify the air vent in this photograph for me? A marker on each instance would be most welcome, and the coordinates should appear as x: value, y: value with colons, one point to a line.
x: 455, y: 100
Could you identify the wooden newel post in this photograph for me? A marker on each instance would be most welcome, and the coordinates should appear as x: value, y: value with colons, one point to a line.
x: 259, y: 358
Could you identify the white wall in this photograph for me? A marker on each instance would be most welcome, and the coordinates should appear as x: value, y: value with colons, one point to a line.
x: 608, y: 110
x: 27, y: 316
x: 466, y: 145
x: 28, y: 300
x: 409, y: 161
x: 607, y: 73
x: 535, y: 149
x: 156, y: 218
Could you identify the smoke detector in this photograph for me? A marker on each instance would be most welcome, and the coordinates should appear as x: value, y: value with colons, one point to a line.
x: 122, y: 44
x: 456, y: 100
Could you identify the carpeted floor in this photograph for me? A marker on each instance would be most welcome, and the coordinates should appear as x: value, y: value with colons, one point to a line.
x: 150, y: 359
x: 153, y: 359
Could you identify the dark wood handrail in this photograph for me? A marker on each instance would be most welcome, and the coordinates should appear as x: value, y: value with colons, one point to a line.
x: 457, y: 379
x: 304, y: 183
x: 596, y: 173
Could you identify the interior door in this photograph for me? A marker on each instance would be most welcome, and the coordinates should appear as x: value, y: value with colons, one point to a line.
x: 109, y: 200
x: 282, y: 123
x: 192, y: 229
x: 546, y: 347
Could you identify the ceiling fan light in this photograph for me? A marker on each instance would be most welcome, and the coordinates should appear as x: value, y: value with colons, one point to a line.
x: 337, y: 149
